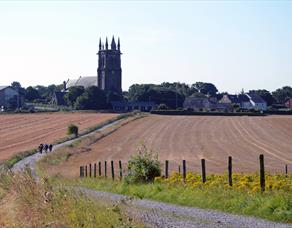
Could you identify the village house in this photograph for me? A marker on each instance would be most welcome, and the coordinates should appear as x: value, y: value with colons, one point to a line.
x: 245, y: 101
x: 203, y: 103
x: 10, y: 98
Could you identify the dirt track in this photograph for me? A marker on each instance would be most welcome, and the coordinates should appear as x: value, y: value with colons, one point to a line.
x: 211, y: 137
x: 21, y: 132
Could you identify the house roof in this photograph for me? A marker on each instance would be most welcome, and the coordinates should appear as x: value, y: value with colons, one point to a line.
x: 82, y: 81
x: 233, y: 98
x: 243, y: 98
x: 3, y: 87
x: 256, y: 98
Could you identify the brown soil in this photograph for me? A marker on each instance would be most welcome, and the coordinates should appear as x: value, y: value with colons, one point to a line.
x: 21, y: 132
x: 195, y: 137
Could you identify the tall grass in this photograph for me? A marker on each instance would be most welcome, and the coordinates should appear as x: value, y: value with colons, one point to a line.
x: 26, y: 203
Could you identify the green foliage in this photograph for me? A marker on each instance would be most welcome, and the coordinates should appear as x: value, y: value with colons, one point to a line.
x: 205, y: 88
x: 72, y: 130
x: 31, y: 94
x: 143, y: 167
x: 282, y: 94
x: 73, y: 93
x: 275, y: 206
x: 162, y: 107
x: 93, y: 98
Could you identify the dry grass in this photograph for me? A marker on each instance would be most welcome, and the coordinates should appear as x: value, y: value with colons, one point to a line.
x: 26, y: 203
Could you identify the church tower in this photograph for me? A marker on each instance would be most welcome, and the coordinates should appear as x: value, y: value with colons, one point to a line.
x: 109, y: 71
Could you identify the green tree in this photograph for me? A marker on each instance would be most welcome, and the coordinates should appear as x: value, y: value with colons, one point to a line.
x: 93, y: 98
x: 205, y: 88
x: 31, y: 94
x: 73, y: 94
x: 280, y: 95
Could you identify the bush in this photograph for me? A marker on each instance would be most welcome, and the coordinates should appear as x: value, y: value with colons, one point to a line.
x: 162, y: 107
x: 143, y: 167
x: 72, y: 130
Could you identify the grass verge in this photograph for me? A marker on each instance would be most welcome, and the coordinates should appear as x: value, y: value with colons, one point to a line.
x: 271, y: 205
x: 27, y: 203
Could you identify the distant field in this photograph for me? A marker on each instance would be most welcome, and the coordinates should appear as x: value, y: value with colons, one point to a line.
x: 194, y: 137
x: 21, y: 132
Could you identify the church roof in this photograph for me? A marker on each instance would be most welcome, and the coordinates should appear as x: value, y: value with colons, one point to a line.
x: 3, y: 87
x: 82, y: 81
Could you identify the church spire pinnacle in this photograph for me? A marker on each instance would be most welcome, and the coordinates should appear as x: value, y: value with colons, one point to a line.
x: 106, y: 44
x: 119, y: 43
x: 99, y: 43
x: 113, y: 44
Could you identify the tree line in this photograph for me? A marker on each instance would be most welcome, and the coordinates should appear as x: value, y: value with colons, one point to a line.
x: 170, y: 94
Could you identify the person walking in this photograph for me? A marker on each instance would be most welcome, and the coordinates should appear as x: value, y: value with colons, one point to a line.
x: 46, y: 147
x: 41, y: 147
x: 50, y: 147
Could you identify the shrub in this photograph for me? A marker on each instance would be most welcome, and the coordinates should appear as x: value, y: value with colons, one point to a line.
x: 72, y: 130
x: 162, y: 107
x: 143, y: 167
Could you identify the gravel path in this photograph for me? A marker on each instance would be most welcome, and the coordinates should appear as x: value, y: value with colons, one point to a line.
x: 157, y: 214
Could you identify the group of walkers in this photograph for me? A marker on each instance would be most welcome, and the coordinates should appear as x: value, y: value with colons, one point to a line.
x: 45, y: 147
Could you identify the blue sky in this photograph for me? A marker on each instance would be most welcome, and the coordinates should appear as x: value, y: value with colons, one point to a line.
x: 233, y: 44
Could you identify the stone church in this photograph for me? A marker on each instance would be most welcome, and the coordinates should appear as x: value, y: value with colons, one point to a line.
x: 109, y: 72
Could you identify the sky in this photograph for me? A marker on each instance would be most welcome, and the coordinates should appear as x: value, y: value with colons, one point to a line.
x: 234, y: 44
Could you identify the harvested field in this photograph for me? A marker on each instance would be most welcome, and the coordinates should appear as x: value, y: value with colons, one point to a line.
x: 21, y: 132
x: 194, y: 137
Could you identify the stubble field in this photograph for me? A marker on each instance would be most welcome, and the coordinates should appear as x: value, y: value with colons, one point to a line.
x: 21, y: 132
x: 195, y: 137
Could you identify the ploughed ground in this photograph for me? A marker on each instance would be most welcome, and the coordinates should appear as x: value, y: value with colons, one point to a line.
x: 21, y: 132
x: 192, y: 138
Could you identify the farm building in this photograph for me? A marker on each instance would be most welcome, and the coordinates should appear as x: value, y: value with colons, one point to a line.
x: 10, y: 97
x: 124, y: 106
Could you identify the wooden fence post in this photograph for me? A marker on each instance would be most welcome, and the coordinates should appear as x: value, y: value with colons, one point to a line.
x: 86, y: 170
x: 90, y: 169
x: 184, y: 170
x: 121, y: 170
x: 94, y: 170
x: 203, y: 170
x: 99, y: 168
x: 81, y: 171
x: 286, y: 170
x: 262, y: 173
x: 113, y: 170
x: 230, y: 171
x: 179, y: 169
x: 105, y: 169
x: 166, y: 169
